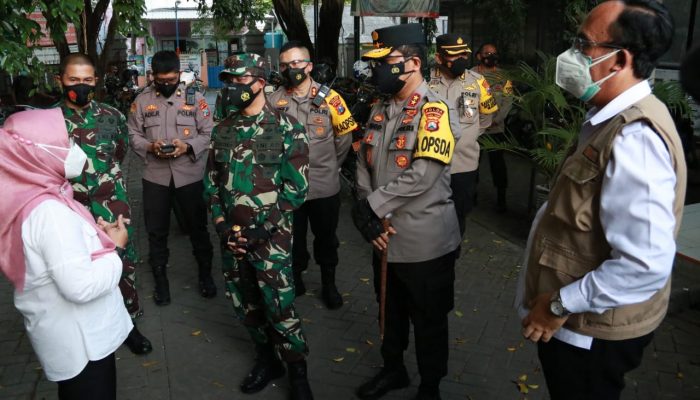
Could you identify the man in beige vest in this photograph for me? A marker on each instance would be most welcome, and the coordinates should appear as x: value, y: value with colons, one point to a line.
x: 601, y: 249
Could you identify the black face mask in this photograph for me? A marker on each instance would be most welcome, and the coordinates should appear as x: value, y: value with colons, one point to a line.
x: 386, y: 77
x: 490, y: 61
x: 456, y: 67
x: 80, y: 94
x: 237, y: 96
x: 295, y: 76
x: 165, y: 90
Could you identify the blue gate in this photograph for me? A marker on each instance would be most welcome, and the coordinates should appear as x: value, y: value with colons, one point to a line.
x: 213, y: 76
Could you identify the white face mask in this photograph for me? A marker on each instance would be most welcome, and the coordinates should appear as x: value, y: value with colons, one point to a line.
x: 74, y: 162
x: 574, y: 73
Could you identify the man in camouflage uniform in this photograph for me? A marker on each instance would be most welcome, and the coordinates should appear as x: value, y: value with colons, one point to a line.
x: 256, y: 176
x: 328, y: 124
x: 100, y: 130
x: 403, y: 178
x: 502, y: 91
x: 467, y: 92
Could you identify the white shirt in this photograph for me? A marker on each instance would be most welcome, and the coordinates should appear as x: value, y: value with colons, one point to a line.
x: 72, y: 307
x: 636, y: 213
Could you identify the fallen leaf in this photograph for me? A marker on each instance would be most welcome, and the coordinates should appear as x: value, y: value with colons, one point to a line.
x: 523, y: 388
x: 339, y: 359
x: 364, y: 280
x: 511, y: 349
x: 522, y: 378
x: 472, y: 250
x: 465, y: 241
x: 218, y: 384
x: 186, y: 287
x: 369, y: 342
x: 38, y: 368
x: 196, y: 333
x: 498, y: 241
x: 185, y: 311
x: 306, y: 320
x: 346, y: 294
x: 342, y: 242
x: 350, y: 349
x: 459, y: 314
x: 460, y: 340
x: 533, y: 386
x: 475, y: 309
x: 679, y: 375
x: 149, y: 364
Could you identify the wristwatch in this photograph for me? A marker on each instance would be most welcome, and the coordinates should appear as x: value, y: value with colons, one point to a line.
x: 556, y: 306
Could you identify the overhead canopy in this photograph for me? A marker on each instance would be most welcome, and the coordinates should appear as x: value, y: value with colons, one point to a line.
x: 396, y: 8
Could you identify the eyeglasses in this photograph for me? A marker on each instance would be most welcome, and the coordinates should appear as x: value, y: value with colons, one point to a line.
x: 294, y: 64
x: 383, y: 61
x: 171, y: 81
x: 582, y: 45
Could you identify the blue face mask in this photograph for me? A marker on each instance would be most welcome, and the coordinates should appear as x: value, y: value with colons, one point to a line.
x: 574, y: 73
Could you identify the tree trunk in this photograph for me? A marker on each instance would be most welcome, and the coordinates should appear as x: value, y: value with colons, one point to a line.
x: 109, y: 42
x: 330, y: 21
x: 291, y: 19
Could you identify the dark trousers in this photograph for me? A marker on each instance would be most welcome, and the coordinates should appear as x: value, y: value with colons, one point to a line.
x: 573, y: 373
x: 422, y: 293
x: 156, y: 211
x: 322, y: 215
x: 463, y: 185
x: 98, y: 380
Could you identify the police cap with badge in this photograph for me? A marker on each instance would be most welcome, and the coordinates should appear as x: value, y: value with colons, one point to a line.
x: 238, y: 96
x: 385, y: 40
x: 452, y: 44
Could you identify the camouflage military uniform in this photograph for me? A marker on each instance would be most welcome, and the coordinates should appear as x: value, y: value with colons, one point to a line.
x: 100, y: 130
x: 257, y: 172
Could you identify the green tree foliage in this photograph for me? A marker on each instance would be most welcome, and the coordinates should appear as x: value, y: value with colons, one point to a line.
x: 19, y: 33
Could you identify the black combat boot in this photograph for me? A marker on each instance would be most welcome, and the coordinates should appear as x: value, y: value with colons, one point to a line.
x: 267, y: 367
x: 137, y: 343
x: 299, y: 387
x: 299, y: 288
x: 207, y: 288
x: 329, y: 291
x: 161, y: 295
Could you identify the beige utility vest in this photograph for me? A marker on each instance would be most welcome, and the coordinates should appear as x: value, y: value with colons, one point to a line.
x: 569, y: 241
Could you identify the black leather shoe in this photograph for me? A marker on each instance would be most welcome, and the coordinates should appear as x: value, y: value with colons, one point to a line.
x: 385, y: 381
x: 137, y: 343
x: 427, y: 396
x: 262, y: 373
x: 207, y: 288
x: 299, y: 287
x: 329, y: 292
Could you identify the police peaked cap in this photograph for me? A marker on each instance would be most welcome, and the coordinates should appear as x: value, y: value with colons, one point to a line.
x: 386, y: 39
x: 239, y: 64
x: 452, y: 44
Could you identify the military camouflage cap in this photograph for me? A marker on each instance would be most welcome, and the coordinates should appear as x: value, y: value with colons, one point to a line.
x: 239, y: 64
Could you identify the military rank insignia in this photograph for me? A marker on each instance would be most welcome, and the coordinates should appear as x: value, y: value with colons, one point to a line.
x: 415, y: 98
x: 282, y: 102
x: 378, y: 118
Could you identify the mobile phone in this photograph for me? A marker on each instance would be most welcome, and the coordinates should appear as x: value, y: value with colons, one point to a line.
x: 167, y: 148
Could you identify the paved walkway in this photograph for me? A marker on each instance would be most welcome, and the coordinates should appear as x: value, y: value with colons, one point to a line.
x: 202, y: 352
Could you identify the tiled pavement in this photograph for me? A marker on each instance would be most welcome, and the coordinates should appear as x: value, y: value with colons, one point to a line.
x: 202, y: 352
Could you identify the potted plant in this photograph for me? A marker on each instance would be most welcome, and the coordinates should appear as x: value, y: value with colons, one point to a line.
x: 544, y: 122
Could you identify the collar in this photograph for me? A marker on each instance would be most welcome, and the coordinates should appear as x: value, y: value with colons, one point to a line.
x: 619, y: 103
x: 410, y: 102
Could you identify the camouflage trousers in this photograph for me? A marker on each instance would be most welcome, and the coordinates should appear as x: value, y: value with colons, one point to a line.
x: 262, y: 293
x: 109, y: 207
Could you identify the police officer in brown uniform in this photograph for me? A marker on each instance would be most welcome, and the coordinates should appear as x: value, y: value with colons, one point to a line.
x: 328, y: 123
x: 502, y: 90
x: 170, y: 128
x: 468, y: 92
x: 403, y: 176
